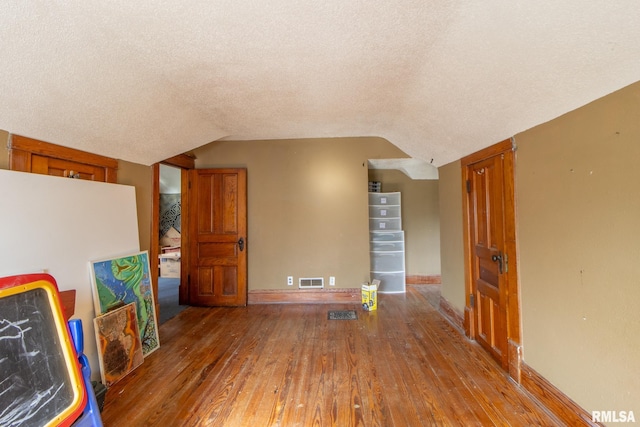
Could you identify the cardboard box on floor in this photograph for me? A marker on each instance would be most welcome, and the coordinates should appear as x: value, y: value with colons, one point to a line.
x: 370, y: 295
x: 170, y: 265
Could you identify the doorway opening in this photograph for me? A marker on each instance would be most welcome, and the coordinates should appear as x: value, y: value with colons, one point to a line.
x: 178, y: 166
x: 416, y: 218
x: 170, y: 240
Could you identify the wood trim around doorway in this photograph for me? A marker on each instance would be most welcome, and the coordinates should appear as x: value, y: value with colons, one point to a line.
x: 182, y: 161
x: 514, y: 338
x: 154, y: 245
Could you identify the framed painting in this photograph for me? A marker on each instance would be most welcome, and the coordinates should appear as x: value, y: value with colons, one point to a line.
x: 124, y: 280
x: 119, y: 345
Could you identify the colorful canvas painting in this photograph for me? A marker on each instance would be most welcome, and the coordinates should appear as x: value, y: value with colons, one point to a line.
x: 126, y: 280
x: 119, y: 345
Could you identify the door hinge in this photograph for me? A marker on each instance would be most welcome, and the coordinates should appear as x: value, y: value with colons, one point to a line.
x: 472, y: 300
x: 468, y: 186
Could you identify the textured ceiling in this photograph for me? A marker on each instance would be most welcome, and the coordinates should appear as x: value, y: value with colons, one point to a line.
x: 143, y: 81
x: 412, y: 167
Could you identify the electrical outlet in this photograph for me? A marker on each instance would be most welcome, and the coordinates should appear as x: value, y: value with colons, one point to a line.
x: 332, y: 281
x: 290, y: 280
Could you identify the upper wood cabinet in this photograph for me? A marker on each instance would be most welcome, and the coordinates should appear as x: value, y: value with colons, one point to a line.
x: 31, y: 155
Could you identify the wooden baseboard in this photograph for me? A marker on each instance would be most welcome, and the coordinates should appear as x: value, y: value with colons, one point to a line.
x: 451, y: 314
x: 556, y: 401
x: 546, y: 393
x: 305, y: 296
x: 424, y: 280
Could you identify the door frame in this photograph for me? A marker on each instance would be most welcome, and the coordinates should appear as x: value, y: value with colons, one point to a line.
x: 184, y: 163
x: 507, y: 149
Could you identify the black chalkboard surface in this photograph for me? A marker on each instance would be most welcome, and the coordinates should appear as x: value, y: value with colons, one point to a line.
x: 38, y: 374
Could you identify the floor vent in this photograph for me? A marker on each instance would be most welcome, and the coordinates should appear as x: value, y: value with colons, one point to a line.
x: 311, y: 282
x: 342, y: 315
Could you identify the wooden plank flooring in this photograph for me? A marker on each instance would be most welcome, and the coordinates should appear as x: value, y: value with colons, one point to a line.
x: 288, y: 365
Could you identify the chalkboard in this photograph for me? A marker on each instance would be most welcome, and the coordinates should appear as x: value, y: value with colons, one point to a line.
x: 39, y: 379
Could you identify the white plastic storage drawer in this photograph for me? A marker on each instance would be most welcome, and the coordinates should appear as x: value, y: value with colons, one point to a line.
x: 384, y: 198
x: 387, y: 261
x: 384, y: 211
x: 381, y: 224
x: 387, y: 236
x: 387, y: 247
x: 390, y: 283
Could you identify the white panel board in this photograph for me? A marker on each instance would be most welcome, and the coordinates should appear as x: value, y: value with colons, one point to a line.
x: 57, y: 225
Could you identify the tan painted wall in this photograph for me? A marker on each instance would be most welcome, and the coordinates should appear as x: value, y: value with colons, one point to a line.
x: 420, y: 219
x: 578, y: 224
x: 141, y: 177
x: 578, y: 207
x: 4, y: 151
x: 451, y: 240
x: 307, y: 206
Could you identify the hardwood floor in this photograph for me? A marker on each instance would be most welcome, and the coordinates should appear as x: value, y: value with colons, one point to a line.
x: 288, y: 365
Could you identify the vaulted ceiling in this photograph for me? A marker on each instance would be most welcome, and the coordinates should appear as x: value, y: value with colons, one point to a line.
x: 143, y: 81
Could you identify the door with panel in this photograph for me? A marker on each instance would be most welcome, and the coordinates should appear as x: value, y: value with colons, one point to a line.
x: 31, y: 155
x: 218, y: 237
x: 66, y: 168
x: 492, y: 309
x: 488, y: 263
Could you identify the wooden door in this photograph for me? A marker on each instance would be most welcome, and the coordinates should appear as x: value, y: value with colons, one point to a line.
x: 492, y: 312
x: 488, y: 263
x: 66, y: 168
x: 218, y: 237
x: 32, y: 155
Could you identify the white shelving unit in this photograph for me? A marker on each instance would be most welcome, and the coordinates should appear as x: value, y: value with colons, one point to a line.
x: 386, y: 243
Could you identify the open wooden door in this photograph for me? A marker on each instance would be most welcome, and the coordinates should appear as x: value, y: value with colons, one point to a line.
x: 492, y: 315
x: 218, y: 237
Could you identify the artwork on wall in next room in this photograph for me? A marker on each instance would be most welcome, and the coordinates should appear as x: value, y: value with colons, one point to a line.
x: 119, y: 345
x: 170, y: 212
x: 124, y: 280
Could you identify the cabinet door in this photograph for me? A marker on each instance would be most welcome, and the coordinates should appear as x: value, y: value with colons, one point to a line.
x: 32, y: 155
x: 66, y: 168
